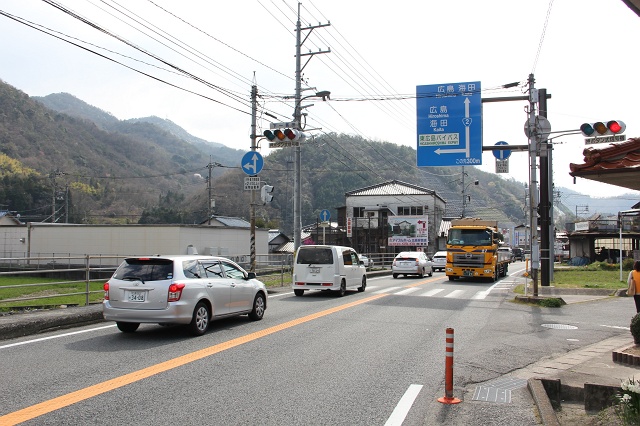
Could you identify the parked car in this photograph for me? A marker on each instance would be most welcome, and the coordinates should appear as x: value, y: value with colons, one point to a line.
x: 509, y: 253
x: 439, y: 260
x: 368, y: 263
x: 411, y: 263
x: 327, y: 267
x: 518, y: 254
x: 184, y: 289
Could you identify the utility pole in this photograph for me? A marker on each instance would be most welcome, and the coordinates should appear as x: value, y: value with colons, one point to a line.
x: 533, y: 184
x: 254, y: 108
x: 209, y: 212
x: 297, y: 115
x: 546, y: 260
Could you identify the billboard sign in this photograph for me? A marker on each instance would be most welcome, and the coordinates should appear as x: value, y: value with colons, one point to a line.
x: 408, y: 231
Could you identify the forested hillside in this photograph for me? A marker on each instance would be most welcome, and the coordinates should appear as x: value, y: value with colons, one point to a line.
x: 58, y: 151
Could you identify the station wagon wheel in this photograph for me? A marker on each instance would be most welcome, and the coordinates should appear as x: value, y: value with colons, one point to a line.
x: 395, y: 275
x: 364, y: 284
x: 258, y: 307
x: 343, y: 288
x: 421, y: 273
x: 127, y: 327
x: 200, y: 320
x: 298, y: 292
x: 431, y: 272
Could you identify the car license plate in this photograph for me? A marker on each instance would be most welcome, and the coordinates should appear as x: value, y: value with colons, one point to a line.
x: 136, y: 296
x: 468, y: 273
x: 315, y: 270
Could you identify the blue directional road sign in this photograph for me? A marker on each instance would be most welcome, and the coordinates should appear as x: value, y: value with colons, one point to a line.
x: 502, y: 154
x: 252, y: 163
x: 325, y: 215
x: 449, y: 124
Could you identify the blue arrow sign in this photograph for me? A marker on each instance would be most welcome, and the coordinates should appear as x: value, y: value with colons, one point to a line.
x: 252, y: 163
x: 325, y: 215
x: 501, y: 154
x: 449, y: 124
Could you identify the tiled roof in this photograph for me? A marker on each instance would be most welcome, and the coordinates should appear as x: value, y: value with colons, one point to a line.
x: 617, y: 164
x: 393, y: 187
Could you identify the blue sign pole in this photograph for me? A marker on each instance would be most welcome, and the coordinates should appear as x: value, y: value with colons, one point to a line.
x: 449, y: 124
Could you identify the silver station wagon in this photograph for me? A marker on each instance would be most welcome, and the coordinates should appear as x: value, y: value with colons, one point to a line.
x: 186, y: 289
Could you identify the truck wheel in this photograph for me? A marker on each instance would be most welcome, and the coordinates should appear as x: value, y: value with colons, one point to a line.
x: 451, y: 278
x: 298, y: 292
x: 395, y: 276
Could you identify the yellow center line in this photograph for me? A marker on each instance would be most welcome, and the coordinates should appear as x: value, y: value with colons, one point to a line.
x: 48, y: 406
x: 419, y: 283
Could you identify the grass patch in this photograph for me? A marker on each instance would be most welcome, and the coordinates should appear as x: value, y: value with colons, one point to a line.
x: 44, y: 292
x: 581, y: 277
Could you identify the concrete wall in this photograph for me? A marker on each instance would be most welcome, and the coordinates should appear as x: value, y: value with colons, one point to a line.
x: 46, y: 239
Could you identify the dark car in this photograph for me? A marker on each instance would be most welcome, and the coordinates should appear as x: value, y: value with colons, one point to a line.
x: 518, y: 254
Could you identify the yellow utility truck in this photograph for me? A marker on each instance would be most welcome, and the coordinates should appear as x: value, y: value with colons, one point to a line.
x: 472, y: 250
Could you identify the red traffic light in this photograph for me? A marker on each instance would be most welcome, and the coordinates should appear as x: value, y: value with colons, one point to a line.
x: 601, y: 128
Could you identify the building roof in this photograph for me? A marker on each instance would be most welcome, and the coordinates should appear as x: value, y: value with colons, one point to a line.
x: 392, y: 187
x: 229, y: 221
x: 617, y: 164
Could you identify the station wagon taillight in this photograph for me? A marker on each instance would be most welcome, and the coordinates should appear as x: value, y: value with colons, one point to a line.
x: 175, y: 292
x: 106, y: 291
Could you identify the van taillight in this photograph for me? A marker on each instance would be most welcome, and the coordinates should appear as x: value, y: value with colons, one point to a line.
x: 175, y: 292
x: 106, y: 291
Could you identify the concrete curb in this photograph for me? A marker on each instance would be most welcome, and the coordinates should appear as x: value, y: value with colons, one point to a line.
x: 19, y: 325
x: 541, y: 399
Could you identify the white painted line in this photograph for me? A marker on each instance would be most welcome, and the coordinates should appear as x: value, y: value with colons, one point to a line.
x: 41, y: 339
x: 279, y: 294
x: 615, y: 326
x: 481, y: 295
x: 386, y: 290
x: 408, y: 290
x: 432, y: 292
x: 402, y: 409
x: 455, y: 293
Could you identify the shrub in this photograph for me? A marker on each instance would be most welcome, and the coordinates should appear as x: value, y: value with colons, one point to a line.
x: 551, y: 302
x: 627, y: 264
x: 635, y: 328
x: 628, y: 407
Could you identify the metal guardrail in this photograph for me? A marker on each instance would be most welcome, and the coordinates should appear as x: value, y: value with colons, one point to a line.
x: 72, y: 270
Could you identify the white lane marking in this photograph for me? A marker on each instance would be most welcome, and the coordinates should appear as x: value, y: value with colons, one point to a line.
x: 408, y: 290
x: 279, y: 294
x: 386, y: 290
x: 615, y: 326
x: 56, y: 336
x: 455, y: 293
x: 432, y: 292
x: 481, y: 295
x: 404, y: 405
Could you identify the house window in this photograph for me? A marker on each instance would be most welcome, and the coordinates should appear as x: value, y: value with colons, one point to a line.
x: 411, y: 211
x: 358, y: 212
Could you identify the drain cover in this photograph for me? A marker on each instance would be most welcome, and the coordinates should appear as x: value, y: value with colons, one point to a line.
x: 498, y: 390
x: 560, y: 326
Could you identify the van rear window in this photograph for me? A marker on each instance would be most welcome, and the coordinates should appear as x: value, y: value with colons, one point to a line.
x: 318, y: 256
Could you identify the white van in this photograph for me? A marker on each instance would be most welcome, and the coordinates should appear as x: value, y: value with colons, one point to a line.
x: 327, y: 268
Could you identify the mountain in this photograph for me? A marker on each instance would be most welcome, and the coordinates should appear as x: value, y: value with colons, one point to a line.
x: 57, y: 148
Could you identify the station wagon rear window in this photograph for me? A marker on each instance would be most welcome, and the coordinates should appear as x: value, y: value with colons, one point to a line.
x: 145, y: 269
x: 318, y: 256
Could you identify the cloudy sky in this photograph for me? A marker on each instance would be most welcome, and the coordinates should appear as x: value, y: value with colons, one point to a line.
x: 194, y: 62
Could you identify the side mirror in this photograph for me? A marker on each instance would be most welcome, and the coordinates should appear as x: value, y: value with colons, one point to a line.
x: 251, y: 275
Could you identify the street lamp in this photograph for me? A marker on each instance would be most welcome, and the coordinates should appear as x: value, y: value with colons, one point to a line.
x: 297, y: 199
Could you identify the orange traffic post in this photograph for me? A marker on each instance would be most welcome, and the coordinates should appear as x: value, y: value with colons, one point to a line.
x: 448, y: 372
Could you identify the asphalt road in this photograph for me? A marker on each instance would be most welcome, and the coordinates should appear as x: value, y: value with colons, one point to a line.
x: 371, y: 358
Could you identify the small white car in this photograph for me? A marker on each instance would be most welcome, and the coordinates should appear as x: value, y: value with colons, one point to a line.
x: 412, y: 263
x: 183, y: 289
x: 439, y: 260
x: 325, y: 267
x: 368, y: 263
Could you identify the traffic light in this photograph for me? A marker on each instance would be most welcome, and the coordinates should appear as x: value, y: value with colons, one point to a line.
x: 265, y: 193
x: 601, y: 128
x: 285, y: 135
